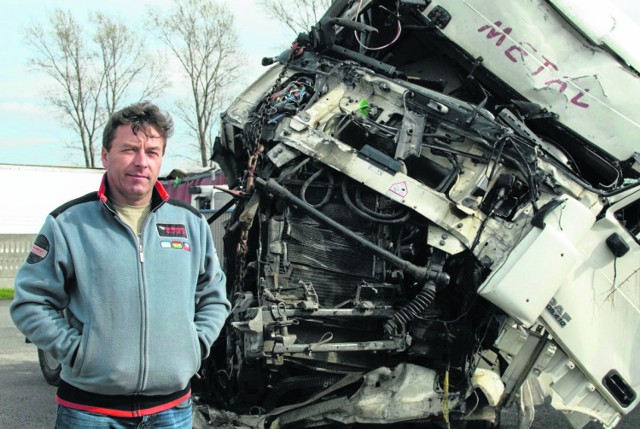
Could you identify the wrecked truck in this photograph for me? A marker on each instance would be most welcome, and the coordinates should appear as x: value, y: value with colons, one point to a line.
x: 437, y: 217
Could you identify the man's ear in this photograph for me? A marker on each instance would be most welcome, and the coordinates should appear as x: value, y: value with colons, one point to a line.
x: 105, y: 160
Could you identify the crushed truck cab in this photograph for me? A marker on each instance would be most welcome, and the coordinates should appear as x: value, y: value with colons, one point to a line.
x: 438, y: 216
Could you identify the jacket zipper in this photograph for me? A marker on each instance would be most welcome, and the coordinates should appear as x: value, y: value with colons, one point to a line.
x: 143, y: 291
x: 143, y: 328
x: 140, y: 252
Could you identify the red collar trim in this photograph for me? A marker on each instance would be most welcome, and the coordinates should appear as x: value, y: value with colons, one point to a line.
x: 102, y: 191
x: 162, y: 191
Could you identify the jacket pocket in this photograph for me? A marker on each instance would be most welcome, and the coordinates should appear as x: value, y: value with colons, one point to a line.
x: 196, y: 346
x: 82, y: 350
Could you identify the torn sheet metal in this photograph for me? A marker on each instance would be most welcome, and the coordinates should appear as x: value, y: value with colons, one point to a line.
x: 534, y: 50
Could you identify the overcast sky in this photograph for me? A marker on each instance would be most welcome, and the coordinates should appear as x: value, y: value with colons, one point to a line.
x: 29, y: 130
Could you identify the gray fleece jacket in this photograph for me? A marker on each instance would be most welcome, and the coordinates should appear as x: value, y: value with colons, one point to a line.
x: 140, y: 314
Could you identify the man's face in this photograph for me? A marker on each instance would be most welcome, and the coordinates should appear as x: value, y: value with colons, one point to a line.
x: 133, y: 164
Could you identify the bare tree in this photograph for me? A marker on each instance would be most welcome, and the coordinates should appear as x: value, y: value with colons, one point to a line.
x: 201, y: 35
x: 92, y: 75
x: 125, y: 63
x: 298, y: 15
x: 63, y: 55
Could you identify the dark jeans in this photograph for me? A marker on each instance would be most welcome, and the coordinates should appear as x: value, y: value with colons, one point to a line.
x: 178, y: 417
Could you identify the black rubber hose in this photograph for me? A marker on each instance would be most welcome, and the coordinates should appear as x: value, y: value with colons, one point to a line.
x: 412, y: 310
x: 308, y: 183
x: 362, y: 214
x: 374, y: 213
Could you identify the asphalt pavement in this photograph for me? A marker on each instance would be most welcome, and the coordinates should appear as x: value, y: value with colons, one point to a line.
x: 28, y: 402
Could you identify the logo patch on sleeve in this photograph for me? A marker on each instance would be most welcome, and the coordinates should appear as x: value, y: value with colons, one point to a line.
x: 172, y: 230
x: 39, y: 250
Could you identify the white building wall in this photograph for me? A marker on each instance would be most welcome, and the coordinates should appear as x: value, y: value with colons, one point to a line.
x: 27, y: 195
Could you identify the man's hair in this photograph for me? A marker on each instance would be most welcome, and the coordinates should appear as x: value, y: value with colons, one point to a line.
x: 139, y: 116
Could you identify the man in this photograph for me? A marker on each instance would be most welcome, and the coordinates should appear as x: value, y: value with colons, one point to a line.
x: 140, y: 284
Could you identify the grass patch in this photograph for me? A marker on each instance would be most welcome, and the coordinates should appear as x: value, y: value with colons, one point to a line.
x: 6, y: 293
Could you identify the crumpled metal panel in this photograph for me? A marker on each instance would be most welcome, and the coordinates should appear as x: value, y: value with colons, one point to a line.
x: 533, y: 50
